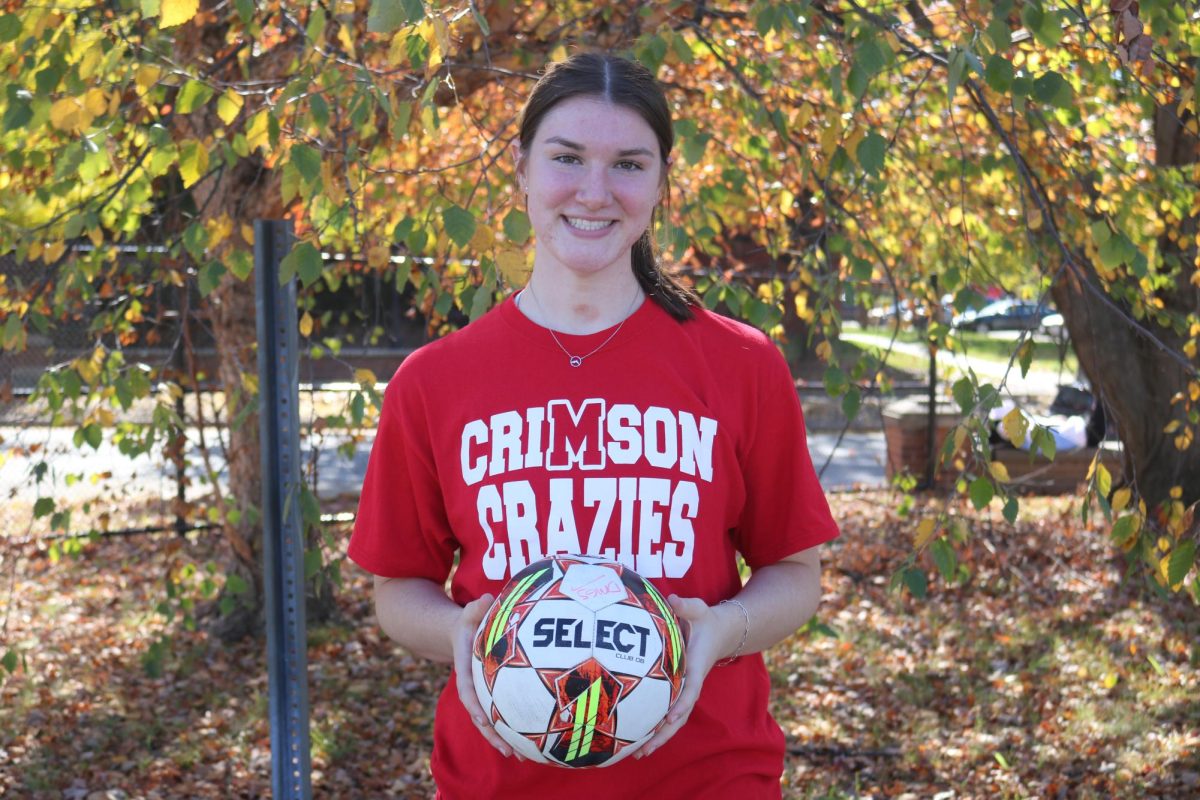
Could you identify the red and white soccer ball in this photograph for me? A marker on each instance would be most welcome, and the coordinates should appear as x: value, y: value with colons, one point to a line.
x: 578, y: 661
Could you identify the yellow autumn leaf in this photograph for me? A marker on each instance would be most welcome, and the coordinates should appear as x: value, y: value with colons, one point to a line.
x: 145, y: 77
x: 53, y: 252
x: 250, y: 382
x: 484, y: 238
x: 1015, y: 426
x: 960, y: 438
x: 955, y: 217
x: 95, y: 101
x: 512, y: 265
x: 69, y: 114
x: 1121, y: 499
x: 825, y: 351
x: 1035, y: 219
x: 306, y: 325
x: 999, y: 471
x: 333, y: 185
x: 926, y: 528
x: 1171, y: 426
x: 1103, y: 480
x: 177, y: 12
x: 229, y: 105
x: 379, y: 256
x: 1184, y: 440
x: 258, y: 131
x: 365, y: 377
x: 219, y: 229
x: 193, y: 165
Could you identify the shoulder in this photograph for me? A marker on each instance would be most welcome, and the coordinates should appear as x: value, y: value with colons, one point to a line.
x: 728, y: 340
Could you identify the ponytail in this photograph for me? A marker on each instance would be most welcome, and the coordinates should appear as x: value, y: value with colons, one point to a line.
x: 661, y: 286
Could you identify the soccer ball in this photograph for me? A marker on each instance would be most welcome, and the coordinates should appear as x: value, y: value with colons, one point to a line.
x: 578, y: 661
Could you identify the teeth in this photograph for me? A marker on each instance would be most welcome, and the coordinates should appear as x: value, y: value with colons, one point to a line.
x: 587, y: 224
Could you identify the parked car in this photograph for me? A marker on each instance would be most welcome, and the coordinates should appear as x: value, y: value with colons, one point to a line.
x: 1053, y: 325
x: 911, y: 313
x: 1003, y: 315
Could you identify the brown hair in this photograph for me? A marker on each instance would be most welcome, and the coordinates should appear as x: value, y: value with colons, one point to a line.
x: 629, y: 84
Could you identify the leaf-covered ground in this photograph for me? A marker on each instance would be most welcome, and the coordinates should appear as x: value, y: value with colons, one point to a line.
x: 1043, y: 676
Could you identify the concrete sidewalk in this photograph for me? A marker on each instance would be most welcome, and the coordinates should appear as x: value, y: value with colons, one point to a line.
x: 858, y: 461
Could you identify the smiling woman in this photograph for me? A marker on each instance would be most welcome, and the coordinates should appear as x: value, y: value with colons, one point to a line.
x: 606, y: 414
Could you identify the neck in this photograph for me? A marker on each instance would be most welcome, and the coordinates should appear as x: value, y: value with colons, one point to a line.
x: 580, y: 306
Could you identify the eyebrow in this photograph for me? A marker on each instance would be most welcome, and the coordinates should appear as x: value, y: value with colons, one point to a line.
x: 637, y: 151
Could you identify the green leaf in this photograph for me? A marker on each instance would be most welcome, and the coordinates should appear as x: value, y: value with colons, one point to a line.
x: 964, y: 394
x: 694, y: 146
x: 319, y: 109
x: 10, y: 27
x: 245, y: 10
x: 236, y: 584
x: 852, y: 402
x: 193, y: 95
x: 916, y: 581
x: 386, y: 16
x: 312, y: 563
x: 10, y: 661
x: 1182, y: 559
x: 240, y: 263
x: 17, y: 115
x: 1122, y: 529
x: 1049, y: 31
x: 43, y: 507
x: 944, y: 557
x: 14, y: 333
x: 870, y: 56
x: 871, y: 151
x: 517, y: 227
x: 999, y: 73
x: 93, y: 434
x: 304, y: 261
x: 210, y: 277
x: 460, y: 225
x: 1053, y: 88
x: 1011, y: 508
x: 981, y: 492
x: 310, y: 509
x: 414, y: 11
x: 1025, y: 356
x: 307, y: 161
x: 954, y: 70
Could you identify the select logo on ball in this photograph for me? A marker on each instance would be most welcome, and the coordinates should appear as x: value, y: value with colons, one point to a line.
x: 578, y: 661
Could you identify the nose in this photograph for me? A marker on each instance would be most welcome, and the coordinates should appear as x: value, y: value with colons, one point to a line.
x: 593, y: 190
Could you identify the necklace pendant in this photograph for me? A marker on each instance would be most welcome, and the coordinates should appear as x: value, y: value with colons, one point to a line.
x: 575, y: 361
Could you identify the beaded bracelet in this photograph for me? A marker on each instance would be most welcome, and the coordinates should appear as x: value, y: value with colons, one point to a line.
x: 745, y: 632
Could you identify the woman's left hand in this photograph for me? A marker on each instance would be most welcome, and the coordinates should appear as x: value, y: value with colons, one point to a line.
x: 714, y: 632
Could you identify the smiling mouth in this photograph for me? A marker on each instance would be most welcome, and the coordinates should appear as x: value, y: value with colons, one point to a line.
x: 589, y: 224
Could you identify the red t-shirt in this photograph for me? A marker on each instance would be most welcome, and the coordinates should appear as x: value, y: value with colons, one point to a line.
x: 671, y: 449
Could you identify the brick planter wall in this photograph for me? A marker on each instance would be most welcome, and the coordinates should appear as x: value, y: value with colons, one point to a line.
x: 905, y: 429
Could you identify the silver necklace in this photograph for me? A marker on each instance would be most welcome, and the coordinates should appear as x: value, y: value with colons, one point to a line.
x: 572, y: 359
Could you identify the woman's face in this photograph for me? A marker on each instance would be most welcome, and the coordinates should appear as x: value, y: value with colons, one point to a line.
x: 593, y: 175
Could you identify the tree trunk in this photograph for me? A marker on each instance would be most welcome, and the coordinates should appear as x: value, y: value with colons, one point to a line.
x: 245, y: 190
x: 1136, y: 377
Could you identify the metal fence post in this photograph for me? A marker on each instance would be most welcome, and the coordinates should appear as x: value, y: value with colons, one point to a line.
x: 283, y: 533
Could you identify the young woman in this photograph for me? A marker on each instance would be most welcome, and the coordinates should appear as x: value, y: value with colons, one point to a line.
x: 600, y: 410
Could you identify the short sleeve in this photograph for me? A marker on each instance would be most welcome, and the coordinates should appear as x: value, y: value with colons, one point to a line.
x: 785, y: 509
x: 402, y: 529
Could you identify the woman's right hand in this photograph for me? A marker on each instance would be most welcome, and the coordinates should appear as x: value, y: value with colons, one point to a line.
x: 463, y: 639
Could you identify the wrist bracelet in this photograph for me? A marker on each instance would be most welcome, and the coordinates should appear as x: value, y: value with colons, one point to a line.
x: 745, y: 632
